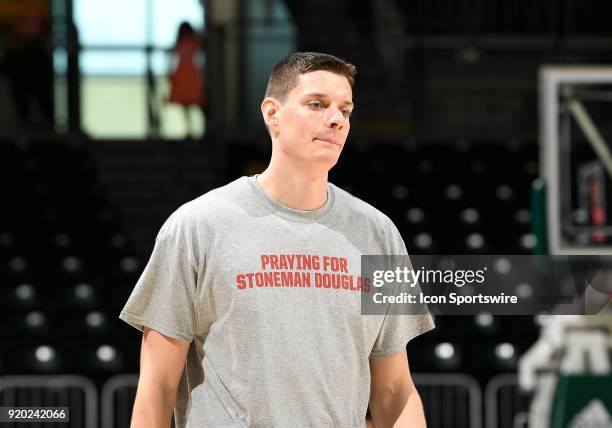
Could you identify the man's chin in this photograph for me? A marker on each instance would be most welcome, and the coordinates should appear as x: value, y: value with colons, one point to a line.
x: 331, y: 154
x: 320, y: 159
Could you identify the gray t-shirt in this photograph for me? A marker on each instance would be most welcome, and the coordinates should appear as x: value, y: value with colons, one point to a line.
x: 269, y: 297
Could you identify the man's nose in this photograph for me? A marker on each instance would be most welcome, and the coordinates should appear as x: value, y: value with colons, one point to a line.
x: 336, y: 119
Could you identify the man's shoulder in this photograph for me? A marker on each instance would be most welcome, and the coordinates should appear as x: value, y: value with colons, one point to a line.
x: 228, y: 193
x: 220, y: 200
x: 360, y: 208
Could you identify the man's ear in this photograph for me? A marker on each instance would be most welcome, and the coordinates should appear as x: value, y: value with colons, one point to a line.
x: 270, y: 108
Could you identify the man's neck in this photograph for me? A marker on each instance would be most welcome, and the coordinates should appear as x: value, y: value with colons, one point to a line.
x: 293, y: 189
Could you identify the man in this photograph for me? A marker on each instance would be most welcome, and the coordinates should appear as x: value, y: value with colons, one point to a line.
x: 250, y: 304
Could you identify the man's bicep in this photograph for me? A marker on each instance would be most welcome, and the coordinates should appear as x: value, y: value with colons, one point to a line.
x: 390, y: 373
x: 162, y: 360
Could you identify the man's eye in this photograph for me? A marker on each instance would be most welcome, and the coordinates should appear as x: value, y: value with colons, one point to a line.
x: 315, y: 104
x: 346, y: 113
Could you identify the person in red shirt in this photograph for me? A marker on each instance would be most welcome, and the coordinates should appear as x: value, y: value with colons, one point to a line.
x: 187, y: 80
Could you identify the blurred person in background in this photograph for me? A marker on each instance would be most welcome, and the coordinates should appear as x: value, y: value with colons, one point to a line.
x: 26, y: 25
x: 187, y: 79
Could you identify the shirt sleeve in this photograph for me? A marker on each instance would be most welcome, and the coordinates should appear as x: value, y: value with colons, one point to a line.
x: 164, y: 296
x: 397, y: 329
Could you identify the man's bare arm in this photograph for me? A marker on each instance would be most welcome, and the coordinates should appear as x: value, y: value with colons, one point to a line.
x: 394, y: 400
x: 162, y: 361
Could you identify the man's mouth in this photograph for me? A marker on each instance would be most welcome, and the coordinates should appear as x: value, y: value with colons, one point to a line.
x: 328, y: 141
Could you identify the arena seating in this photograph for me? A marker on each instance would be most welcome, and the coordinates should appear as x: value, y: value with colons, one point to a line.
x: 68, y: 263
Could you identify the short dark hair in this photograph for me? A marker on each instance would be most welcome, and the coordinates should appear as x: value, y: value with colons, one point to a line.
x: 284, y: 75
